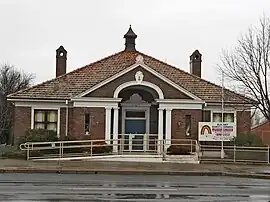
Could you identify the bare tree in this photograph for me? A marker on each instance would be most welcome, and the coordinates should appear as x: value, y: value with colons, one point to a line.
x: 247, y: 65
x: 11, y: 81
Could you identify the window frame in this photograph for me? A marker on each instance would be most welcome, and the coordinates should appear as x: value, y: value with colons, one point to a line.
x: 188, y: 119
x: 46, y: 108
x: 224, y: 112
x: 89, y: 123
x: 45, y: 122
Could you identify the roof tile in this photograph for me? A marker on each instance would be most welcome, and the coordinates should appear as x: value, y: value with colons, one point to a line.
x: 82, y: 79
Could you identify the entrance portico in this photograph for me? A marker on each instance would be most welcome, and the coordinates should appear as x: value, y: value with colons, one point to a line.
x: 141, y: 111
x: 139, y: 114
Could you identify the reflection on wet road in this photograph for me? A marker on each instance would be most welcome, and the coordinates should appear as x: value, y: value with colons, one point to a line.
x: 88, y: 187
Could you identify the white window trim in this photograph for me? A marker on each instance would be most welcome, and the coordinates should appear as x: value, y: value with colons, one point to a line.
x: 46, y: 108
x: 90, y: 129
x: 227, y: 111
x: 138, y: 108
x: 147, y: 119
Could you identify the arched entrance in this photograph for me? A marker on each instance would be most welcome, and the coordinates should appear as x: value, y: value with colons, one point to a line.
x: 138, y: 118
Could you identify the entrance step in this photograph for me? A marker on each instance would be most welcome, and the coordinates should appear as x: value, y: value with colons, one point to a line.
x: 182, y: 159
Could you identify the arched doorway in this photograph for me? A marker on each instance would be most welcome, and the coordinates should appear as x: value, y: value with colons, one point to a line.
x: 138, y: 118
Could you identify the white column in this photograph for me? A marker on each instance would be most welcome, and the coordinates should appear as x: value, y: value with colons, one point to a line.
x: 108, y: 125
x: 168, y: 127
x: 160, y: 130
x: 115, y: 129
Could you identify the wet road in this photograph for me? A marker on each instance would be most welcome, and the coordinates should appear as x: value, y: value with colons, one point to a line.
x: 90, y: 187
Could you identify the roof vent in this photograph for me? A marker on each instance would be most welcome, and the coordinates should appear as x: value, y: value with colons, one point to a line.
x: 130, y: 37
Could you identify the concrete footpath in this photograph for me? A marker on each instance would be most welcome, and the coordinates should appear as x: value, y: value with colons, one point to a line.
x: 102, y: 167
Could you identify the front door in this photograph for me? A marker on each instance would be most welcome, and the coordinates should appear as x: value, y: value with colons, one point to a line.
x: 135, y: 130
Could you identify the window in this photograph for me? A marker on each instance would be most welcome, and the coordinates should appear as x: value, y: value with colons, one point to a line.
x: 188, y: 125
x: 86, y: 124
x: 45, y: 119
x: 227, y: 117
x: 135, y: 114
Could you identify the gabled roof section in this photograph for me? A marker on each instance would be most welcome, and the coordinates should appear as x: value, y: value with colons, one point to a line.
x: 80, y: 80
x: 147, y: 68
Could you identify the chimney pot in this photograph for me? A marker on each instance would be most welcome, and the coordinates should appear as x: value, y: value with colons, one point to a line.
x: 61, y: 61
x: 195, y: 63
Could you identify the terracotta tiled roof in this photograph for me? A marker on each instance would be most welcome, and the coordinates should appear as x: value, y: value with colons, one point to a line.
x: 82, y: 79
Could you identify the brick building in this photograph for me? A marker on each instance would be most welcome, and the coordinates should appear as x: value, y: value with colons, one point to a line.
x: 263, y: 131
x: 129, y: 93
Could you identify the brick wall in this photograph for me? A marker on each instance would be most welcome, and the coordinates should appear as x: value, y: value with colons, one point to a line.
x: 243, y: 121
x: 97, y: 122
x: 178, y: 123
x: 263, y: 131
x: 22, y: 121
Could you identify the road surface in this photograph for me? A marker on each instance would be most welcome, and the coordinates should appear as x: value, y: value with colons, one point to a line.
x: 90, y: 187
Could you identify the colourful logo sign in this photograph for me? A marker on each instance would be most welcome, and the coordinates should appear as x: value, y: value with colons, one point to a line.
x: 206, y: 130
x: 213, y: 131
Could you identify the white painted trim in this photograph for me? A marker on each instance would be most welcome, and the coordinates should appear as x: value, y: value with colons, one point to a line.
x: 39, y: 104
x: 168, y: 133
x: 179, y: 101
x: 160, y: 129
x: 226, y: 108
x: 135, y: 83
x: 32, y: 118
x: 96, y: 99
x: 180, y: 106
x: 147, y: 68
x: 229, y: 104
x: 67, y: 109
x: 135, y: 105
x: 146, y: 109
x: 108, y: 125
x: 137, y: 108
x: 58, y: 122
x: 115, y: 129
x: 46, y: 107
x: 96, y: 102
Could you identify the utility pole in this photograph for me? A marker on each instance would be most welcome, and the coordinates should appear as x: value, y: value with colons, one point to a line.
x: 222, y: 111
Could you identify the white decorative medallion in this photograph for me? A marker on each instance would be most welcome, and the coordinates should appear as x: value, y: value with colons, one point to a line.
x: 139, y: 76
x: 139, y: 59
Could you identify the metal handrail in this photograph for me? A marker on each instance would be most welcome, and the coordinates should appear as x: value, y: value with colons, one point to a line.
x: 153, y: 145
x: 254, y: 154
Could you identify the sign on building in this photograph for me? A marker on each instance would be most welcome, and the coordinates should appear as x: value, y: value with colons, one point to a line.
x: 212, y: 131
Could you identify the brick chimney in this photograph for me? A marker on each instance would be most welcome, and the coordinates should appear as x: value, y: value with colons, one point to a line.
x: 61, y: 61
x: 195, y: 63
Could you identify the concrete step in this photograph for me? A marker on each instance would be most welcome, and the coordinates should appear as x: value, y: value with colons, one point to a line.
x: 182, y: 158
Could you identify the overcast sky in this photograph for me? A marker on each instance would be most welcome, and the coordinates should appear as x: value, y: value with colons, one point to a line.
x: 31, y: 30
